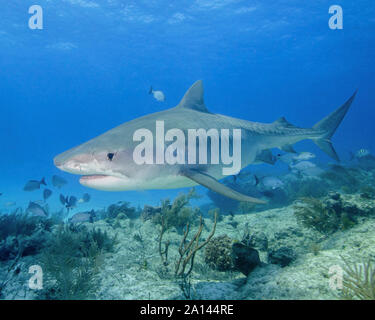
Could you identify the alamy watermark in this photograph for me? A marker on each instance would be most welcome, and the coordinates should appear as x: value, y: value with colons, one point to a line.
x: 336, y: 21
x: 153, y: 151
x: 336, y: 275
x: 36, y: 280
x: 36, y: 20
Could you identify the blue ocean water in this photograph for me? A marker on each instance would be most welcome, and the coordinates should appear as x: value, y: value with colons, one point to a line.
x: 90, y: 68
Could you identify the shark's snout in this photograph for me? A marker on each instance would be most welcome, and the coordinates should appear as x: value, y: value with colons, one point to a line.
x: 81, y: 164
x: 57, y: 162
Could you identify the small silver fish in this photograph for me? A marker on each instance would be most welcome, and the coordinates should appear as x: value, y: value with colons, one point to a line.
x: 303, y: 165
x: 289, y: 158
x: 87, y: 216
x: 36, y: 209
x: 269, y: 183
x: 32, y: 185
x: 158, y: 95
x: 303, y: 156
x: 58, y: 182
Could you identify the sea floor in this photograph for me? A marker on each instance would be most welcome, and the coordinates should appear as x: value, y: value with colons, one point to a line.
x: 135, y: 271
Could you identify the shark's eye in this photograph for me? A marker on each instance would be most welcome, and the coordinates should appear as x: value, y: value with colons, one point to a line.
x: 110, y: 156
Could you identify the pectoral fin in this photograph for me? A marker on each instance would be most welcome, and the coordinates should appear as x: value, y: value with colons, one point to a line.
x: 211, y: 183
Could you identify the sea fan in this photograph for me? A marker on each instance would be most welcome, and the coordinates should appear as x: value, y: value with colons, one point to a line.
x: 359, y: 281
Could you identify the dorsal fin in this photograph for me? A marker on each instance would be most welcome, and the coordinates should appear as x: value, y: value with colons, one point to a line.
x: 282, y: 122
x: 193, y: 98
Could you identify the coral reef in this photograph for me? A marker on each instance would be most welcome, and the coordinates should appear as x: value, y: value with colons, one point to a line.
x: 177, y: 214
x: 187, y: 252
x: 150, y: 212
x: 312, y: 213
x: 367, y: 192
x: 71, y: 260
x: 359, y: 281
x: 188, y: 248
x: 282, y: 256
x: 218, y: 253
x: 327, y: 215
x: 171, y: 252
x: 121, y: 210
x: 22, y: 234
x: 226, y: 254
x: 257, y: 239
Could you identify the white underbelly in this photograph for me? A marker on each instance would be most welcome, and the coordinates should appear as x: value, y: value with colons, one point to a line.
x: 110, y: 183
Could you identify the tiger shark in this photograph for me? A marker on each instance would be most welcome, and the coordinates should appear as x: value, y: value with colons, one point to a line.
x: 106, y: 162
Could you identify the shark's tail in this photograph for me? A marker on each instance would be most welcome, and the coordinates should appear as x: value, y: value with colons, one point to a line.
x: 150, y: 91
x: 329, y: 124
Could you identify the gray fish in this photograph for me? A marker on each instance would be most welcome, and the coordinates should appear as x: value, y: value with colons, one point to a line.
x: 68, y: 202
x: 158, y: 95
x: 34, y: 185
x: 304, y: 156
x: 289, y: 158
x: 85, y: 198
x: 62, y: 199
x: 58, y: 182
x: 72, y: 202
x: 87, y: 216
x: 302, y: 166
x: 286, y: 158
x: 270, y: 183
x: 306, y: 168
x: 265, y: 156
x: 46, y: 194
x: 36, y: 209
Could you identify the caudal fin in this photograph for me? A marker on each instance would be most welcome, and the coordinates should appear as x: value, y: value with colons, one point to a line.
x: 328, y: 125
x: 43, y: 181
x: 150, y: 91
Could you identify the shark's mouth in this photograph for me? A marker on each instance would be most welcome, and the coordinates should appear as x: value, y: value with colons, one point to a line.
x: 104, y: 182
x: 93, y: 177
